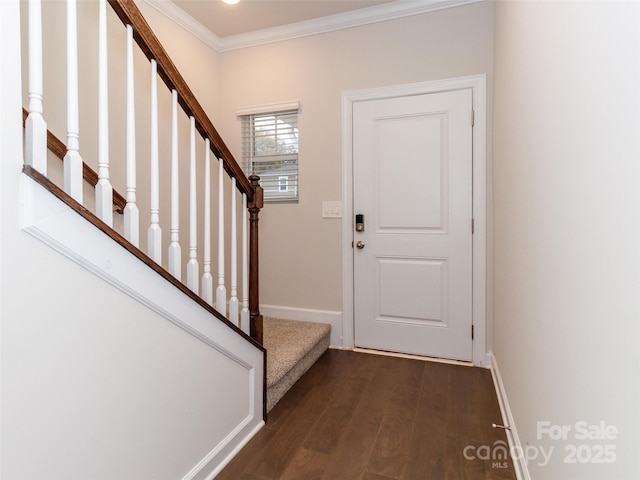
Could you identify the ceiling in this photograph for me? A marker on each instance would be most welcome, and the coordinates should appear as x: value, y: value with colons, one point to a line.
x: 251, y: 15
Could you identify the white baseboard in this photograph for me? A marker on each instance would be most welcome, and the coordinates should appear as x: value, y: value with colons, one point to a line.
x: 222, y: 458
x: 519, y: 464
x: 333, y: 318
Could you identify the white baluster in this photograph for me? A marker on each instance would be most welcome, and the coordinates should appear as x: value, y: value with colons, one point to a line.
x: 103, y: 190
x: 175, y: 251
x: 131, y: 212
x: 207, y: 278
x: 35, y: 126
x: 72, y: 160
x: 193, y: 271
x: 244, y: 313
x: 233, y: 300
x: 154, y: 236
x: 221, y: 291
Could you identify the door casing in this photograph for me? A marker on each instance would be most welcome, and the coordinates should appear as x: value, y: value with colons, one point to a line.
x: 482, y: 340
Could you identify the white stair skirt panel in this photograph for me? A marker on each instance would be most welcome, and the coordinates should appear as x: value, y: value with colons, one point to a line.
x: 57, y: 225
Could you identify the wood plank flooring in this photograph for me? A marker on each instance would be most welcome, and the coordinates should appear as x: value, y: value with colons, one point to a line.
x: 357, y: 416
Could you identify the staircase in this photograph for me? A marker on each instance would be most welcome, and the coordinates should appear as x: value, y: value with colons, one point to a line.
x: 104, y: 231
x: 292, y: 348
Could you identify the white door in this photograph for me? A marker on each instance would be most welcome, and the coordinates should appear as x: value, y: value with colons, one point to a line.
x: 412, y: 171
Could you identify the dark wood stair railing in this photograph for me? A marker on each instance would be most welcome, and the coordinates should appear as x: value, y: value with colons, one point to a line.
x: 254, y: 300
x: 147, y: 41
x: 129, y: 14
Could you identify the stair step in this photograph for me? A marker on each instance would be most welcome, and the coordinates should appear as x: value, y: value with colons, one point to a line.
x: 292, y: 348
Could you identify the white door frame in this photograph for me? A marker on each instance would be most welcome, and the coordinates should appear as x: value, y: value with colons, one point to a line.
x: 477, y: 83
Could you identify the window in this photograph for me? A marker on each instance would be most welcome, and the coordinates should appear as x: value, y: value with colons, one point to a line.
x: 270, y: 149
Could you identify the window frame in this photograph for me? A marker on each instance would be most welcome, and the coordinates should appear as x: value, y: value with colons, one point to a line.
x: 270, y: 180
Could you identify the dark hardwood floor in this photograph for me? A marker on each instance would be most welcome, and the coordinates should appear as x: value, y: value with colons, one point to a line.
x: 357, y: 416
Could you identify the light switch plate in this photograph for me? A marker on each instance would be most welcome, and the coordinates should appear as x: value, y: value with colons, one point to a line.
x: 332, y: 209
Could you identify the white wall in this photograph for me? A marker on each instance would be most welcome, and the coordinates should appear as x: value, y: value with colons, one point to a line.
x: 301, y: 263
x: 567, y: 217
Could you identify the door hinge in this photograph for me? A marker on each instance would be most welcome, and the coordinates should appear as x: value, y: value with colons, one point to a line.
x: 473, y: 226
x: 471, y: 332
x: 473, y: 118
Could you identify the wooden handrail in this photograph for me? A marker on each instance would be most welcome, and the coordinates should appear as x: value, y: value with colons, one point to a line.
x: 129, y: 14
x: 59, y: 149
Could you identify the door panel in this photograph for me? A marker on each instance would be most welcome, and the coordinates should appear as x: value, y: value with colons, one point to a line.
x: 412, y: 182
x: 418, y: 278
x: 400, y: 141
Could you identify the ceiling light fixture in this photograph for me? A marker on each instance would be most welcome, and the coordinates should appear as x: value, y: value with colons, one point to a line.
x: 231, y: 2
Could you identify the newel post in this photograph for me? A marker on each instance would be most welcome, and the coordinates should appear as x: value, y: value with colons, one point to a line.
x: 254, y: 287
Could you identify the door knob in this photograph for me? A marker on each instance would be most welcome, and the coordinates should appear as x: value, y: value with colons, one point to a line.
x: 360, y: 244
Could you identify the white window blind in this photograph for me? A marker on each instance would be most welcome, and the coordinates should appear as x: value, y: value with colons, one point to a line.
x: 270, y: 150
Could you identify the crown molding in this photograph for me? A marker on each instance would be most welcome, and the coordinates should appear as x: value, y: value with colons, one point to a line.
x: 186, y: 21
x: 355, y: 18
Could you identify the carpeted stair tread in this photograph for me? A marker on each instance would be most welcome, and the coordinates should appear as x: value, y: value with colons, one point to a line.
x: 292, y: 348
x: 287, y: 342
